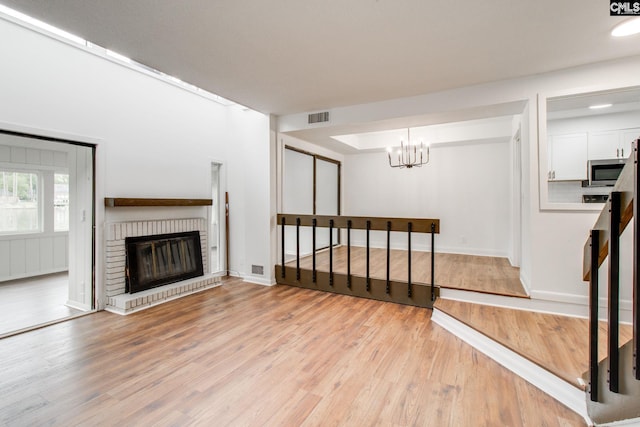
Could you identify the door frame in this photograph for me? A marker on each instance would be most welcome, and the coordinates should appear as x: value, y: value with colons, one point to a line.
x: 317, y: 157
x: 77, y: 141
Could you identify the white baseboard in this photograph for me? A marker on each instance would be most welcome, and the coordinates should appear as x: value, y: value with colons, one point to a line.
x: 541, y: 302
x: 559, y: 389
x: 78, y: 306
x: 634, y: 422
x: 626, y: 306
x: 258, y: 280
x: 33, y: 274
x: 529, y: 304
x: 525, y: 283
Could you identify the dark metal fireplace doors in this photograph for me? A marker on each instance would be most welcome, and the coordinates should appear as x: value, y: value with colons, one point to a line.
x: 157, y: 260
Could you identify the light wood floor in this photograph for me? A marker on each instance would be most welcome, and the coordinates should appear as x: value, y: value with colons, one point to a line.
x: 244, y: 355
x: 477, y: 273
x: 29, y: 302
x: 560, y: 344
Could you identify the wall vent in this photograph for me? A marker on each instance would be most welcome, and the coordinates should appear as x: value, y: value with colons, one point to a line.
x: 257, y: 269
x: 319, y: 117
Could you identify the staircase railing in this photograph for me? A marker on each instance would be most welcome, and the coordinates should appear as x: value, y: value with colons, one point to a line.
x: 604, y: 242
x: 409, y: 292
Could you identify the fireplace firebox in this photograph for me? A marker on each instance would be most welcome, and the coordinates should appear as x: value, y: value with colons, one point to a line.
x: 157, y: 260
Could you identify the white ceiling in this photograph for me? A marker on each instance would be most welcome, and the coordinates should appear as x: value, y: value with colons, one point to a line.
x: 489, y: 129
x: 288, y: 56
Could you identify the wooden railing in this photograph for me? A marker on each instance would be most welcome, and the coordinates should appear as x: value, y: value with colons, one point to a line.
x: 604, y: 241
x: 409, y: 292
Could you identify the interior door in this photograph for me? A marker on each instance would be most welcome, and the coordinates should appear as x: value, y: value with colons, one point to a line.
x: 327, y: 197
x: 81, y: 214
x: 298, y: 198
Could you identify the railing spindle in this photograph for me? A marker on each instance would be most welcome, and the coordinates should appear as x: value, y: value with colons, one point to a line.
x: 433, y: 262
x: 313, y: 257
x: 614, y: 291
x: 349, y: 254
x: 388, y: 257
x: 593, y: 317
x: 409, y: 227
x: 331, y: 253
x: 368, y: 278
x: 283, y: 274
x: 297, y: 248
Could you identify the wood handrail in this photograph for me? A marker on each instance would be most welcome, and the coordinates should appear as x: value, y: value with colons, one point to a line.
x: 624, y: 185
x: 419, y: 225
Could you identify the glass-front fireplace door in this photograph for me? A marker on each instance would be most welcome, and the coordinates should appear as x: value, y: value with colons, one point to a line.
x: 161, y: 259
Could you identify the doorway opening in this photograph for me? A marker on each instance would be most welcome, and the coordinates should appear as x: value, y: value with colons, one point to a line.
x: 216, y: 250
x: 46, y: 230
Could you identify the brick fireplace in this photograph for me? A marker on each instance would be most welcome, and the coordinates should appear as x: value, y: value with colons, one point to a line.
x: 117, y: 299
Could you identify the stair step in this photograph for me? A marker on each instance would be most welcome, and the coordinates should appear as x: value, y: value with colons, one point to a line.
x: 559, y: 344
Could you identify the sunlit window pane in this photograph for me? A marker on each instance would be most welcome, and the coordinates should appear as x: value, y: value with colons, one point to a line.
x: 61, y: 202
x: 18, y: 202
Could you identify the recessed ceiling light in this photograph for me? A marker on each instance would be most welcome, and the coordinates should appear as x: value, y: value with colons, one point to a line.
x: 627, y: 28
x: 599, y: 106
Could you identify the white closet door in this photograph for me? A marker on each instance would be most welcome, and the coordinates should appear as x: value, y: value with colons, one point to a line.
x: 80, y: 227
x: 298, y: 199
x: 326, y: 198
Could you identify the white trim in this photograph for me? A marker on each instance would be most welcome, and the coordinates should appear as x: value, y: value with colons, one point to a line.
x: 542, y: 98
x: 516, y: 303
x: 45, y: 324
x: 540, y: 302
x: 47, y: 133
x: 625, y: 304
x: 559, y: 389
x: 31, y: 274
x: 258, y: 281
x: 78, y: 306
x: 525, y: 283
x: 633, y: 422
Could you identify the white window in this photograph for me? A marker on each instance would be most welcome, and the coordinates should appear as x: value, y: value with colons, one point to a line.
x: 19, y: 210
x: 61, y: 202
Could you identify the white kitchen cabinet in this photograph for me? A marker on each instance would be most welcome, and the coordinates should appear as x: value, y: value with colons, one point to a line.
x: 568, y: 157
x: 627, y: 136
x: 604, y: 145
x: 612, y: 144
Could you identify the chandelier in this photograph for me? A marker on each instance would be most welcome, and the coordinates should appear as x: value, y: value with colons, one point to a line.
x: 409, y: 155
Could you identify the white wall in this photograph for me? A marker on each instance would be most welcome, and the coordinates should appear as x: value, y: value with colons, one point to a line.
x: 552, y: 240
x: 465, y: 185
x: 153, y: 139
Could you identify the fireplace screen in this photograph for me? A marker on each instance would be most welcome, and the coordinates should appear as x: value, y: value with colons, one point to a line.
x: 161, y: 259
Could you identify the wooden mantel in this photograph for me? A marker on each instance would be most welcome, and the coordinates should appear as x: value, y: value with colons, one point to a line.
x: 116, y: 202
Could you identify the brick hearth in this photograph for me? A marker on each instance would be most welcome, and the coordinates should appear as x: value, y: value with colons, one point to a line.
x: 120, y: 302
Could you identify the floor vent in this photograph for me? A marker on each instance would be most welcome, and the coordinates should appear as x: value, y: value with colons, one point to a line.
x: 257, y: 269
x: 319, y: 117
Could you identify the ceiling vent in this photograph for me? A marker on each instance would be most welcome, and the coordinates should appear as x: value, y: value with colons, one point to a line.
x: 319, y: 117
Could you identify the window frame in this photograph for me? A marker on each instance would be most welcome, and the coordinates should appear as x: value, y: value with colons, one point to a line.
x: 39, y: 195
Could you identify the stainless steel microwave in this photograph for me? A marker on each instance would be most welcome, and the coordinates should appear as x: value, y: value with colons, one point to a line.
x: 604, y: 173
